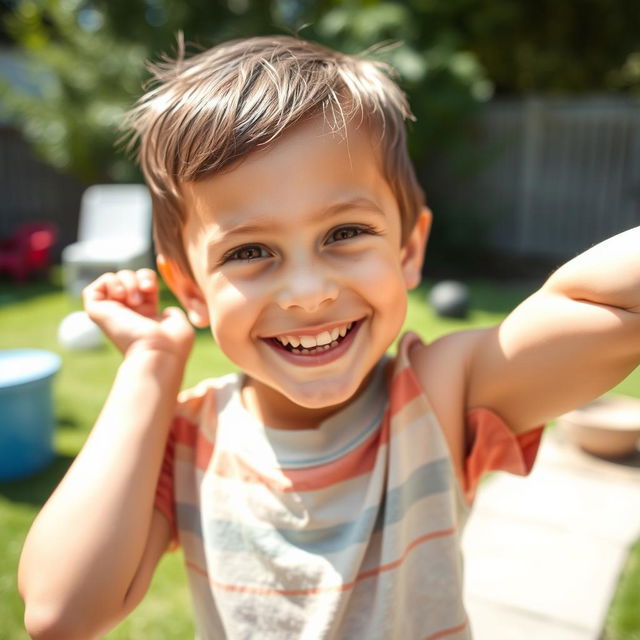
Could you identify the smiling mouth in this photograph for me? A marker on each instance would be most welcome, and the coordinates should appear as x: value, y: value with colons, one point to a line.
x: 300, y: 350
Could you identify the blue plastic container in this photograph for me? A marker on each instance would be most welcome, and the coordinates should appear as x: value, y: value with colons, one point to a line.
x: 26, y: 411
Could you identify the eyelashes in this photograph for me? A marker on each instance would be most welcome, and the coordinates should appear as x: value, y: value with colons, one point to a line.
x: 247, y: 253
x: 348, y: 232
x: 251, y: 252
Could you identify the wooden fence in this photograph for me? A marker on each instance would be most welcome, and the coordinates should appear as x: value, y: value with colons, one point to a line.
x: 33, y: 191
x: 545, y: 177
x: 548, y: 177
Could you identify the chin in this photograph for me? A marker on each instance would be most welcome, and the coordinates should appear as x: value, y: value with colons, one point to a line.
x: 322, y: 396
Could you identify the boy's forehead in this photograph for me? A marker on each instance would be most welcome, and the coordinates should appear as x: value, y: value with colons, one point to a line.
x: 309, y: 171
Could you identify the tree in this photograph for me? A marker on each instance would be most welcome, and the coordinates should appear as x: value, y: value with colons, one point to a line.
x: 551, y: 47
x: 88, y: 60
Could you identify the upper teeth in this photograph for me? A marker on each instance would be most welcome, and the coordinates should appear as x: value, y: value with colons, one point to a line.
x: 309, y: 342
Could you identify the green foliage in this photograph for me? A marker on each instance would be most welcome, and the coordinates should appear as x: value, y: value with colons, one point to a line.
x: 88, y: 63
x: 87, y: 57
x: 84, y: 81
x: 551, y: 47
x: 445, y: 82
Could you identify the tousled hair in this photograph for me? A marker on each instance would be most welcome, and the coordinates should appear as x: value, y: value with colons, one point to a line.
x: 204, y: 113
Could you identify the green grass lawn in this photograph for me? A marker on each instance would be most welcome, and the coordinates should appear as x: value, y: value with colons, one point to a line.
x: 29, y: 317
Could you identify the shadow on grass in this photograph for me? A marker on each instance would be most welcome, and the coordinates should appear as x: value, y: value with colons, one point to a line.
x: 67, y: 422
x: 36, y: 489
x: 18, y: 291
x: 488, y: 295
x: 11, y: 292
x: 167, y: 299
x: 496, y: 297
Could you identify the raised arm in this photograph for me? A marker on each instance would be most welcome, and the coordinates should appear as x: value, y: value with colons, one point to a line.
x: 91, y: 551
x: 572, y: 340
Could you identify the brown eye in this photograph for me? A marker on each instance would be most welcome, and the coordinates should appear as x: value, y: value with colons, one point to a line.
x: 345, y: 233
x: 248, y: 253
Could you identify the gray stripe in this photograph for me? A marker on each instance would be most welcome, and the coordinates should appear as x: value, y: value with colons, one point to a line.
x: 223, y: 535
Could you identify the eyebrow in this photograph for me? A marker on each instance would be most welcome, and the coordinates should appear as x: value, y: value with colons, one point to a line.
x: 226, y: 231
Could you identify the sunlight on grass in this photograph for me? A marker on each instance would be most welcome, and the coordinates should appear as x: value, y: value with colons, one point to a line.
x: 623, y: 621
x: 29, y: 317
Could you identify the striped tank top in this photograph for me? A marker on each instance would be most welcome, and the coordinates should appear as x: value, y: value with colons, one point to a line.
x: 351, y: 530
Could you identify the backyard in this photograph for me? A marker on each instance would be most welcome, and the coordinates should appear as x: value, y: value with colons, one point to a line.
x: 29, y: 317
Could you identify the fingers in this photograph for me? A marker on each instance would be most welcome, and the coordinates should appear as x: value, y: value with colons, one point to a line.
x: 147, y: 279
x: 148, y: 283
x: 126, y: 286
x: 133, y: 289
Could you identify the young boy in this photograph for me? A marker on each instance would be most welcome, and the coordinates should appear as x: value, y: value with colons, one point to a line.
x: 321, y: 492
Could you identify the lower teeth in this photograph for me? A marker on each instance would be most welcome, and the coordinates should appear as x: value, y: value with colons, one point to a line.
x: 323, y: 347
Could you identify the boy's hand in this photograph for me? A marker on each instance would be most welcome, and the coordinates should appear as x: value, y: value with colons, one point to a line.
x: 125, y: 306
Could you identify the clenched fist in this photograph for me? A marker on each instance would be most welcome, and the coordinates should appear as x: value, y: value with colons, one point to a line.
x: 125, y: 306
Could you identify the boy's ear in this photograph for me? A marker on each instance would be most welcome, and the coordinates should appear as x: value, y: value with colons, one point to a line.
x: 412, y: 253
x: 186, y: 290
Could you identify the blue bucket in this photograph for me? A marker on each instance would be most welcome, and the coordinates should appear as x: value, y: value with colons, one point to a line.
x: 26, y: 411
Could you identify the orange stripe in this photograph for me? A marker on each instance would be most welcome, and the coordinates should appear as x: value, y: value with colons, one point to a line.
x: 163, y: 500
x: 265, y: 591
x: 187, y: 434
x: 412, y: 545
x: 356, y: 463
x: 447, y: 632
x: 404, y: 389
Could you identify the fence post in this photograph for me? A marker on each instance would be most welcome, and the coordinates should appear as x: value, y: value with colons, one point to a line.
x: 531, y: 148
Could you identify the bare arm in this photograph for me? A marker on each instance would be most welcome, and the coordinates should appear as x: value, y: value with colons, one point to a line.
x: 571, y: 341
x: 91, y: 551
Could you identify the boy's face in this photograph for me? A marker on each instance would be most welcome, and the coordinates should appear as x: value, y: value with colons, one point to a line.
x: 292, y: 248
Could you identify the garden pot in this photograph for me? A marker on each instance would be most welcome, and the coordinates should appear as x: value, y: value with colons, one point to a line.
x: 608, y: 427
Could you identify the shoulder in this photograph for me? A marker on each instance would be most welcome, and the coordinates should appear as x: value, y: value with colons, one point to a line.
x: 478, y: 438
x: 442, y: 366
x: 441, y: 369
x: 206, y: 398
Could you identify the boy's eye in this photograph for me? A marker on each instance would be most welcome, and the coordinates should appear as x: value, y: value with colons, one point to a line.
x: 344, y: 233
x: 247, y: 253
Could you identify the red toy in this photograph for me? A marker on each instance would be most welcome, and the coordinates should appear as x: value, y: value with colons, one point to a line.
x: 28, y: 250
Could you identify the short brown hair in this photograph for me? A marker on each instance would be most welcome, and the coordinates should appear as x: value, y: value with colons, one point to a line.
x: 204, y: 113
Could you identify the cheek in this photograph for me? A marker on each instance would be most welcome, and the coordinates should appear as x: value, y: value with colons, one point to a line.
x: 232, y: 311
x: 380, y: 276
x: 386, y: 292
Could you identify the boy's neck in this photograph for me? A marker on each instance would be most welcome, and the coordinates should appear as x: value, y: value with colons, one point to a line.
x: 278, y: 412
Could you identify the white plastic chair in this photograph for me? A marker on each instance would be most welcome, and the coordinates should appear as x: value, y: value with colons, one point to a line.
x: 114, y: 233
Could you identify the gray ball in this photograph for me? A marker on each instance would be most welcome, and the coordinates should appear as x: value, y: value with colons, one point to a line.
x: 450, y: 299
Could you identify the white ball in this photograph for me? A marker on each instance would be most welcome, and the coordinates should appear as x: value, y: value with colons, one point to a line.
x: 77, y: 332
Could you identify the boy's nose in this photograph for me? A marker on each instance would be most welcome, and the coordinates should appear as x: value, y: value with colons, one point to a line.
x: 307, y: 289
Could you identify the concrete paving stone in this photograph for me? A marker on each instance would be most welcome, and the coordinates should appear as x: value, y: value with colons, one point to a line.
x: 565, y: 499
x: 551, y: 572
x: 543, y: 554
x: 492, y: 621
